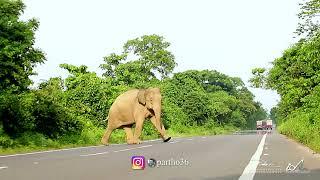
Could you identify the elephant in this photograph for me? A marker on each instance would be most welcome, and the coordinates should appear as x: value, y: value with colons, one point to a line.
x: 133, y: 107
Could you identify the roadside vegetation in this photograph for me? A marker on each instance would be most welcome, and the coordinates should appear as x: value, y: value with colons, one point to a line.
x: 72, y: 112
x: 296, y: 77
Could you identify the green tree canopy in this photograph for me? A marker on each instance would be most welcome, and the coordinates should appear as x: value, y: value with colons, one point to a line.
x: 150, y: 57
x: 294, y: 75
x: 18, y: 56
x: 309, y: 18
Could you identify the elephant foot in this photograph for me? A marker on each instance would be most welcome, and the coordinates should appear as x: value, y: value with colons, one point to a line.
x: 104, y: 142
x: 138, y: 141
x: 167, y: 139
x: 130, y: 141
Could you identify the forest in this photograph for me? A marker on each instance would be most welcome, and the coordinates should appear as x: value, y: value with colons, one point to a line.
x: 295, y: 76
x: 73, y: 111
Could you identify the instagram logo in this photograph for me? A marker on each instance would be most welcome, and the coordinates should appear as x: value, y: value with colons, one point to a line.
x: 138, y: 162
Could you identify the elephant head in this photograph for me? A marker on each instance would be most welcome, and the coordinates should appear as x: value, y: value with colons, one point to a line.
x: 151, y: 99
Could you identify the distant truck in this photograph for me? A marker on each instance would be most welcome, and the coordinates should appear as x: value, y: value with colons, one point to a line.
x: 269, y: 124
x: 264, y: 124
x: 259, y: 125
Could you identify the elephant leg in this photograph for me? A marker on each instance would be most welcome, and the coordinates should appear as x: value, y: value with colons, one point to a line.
x: 106, y: 136
x: 129, y: 134
x: 137, y: 131
x: 160, y: 130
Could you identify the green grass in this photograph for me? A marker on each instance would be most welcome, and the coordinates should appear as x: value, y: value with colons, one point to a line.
x: 303, y: 127
x: 31, y: 142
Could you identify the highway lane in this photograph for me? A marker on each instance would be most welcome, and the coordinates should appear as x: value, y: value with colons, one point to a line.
x: 209, y: 157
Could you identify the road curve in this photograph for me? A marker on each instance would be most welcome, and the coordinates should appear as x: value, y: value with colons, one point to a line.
x: 244, y: 155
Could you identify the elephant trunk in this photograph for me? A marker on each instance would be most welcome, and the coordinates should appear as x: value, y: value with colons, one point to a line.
x: 159, y: 125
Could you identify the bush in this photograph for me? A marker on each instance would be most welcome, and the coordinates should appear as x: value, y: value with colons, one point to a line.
x: 53, y: 116
x: 5, y: 141
x: 303, y: 126
x: 16, y: 112
x: 173, y: 115
x: 43, y: 111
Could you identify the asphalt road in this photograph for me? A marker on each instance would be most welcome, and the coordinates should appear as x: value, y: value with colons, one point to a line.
x: 243, y: 155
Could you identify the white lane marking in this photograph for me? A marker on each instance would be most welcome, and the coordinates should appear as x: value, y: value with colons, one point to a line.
x: 40, y: 152
x: 266, y: 154
x: 172, y: 142
x: 189, y: 139
x: 152, y: 140
x: 251, y: 168
x: 57, y: 150
x: 132, y: 148
x: 4, y: 167
x: 203, y: 137
x: 94, y: 154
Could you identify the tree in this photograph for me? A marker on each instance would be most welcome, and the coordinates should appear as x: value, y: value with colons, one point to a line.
x: 294, y: 75
x: 259, y: 114
x: 152, y: 52
x: 210, y: 95
x: 309, y: 18
x: 18, y: 57
x: 259, y: 78
x: 153, y: 59
x: 273, y: 113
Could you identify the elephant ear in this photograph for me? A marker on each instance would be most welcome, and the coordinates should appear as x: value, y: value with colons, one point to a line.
x: 142, y: 97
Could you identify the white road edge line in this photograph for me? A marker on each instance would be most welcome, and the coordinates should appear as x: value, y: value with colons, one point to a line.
x: 57, y: 150
x: 251, y: 168
x: 40, y: 152
x: 132, y: 148
x: 4, y: 167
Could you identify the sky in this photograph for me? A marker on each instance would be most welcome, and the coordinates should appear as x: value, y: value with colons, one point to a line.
x: 230, y: 36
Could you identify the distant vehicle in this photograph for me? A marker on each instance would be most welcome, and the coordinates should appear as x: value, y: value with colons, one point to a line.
x: 264, y: 124
x: 269, y: 124
x: 259, y: 125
